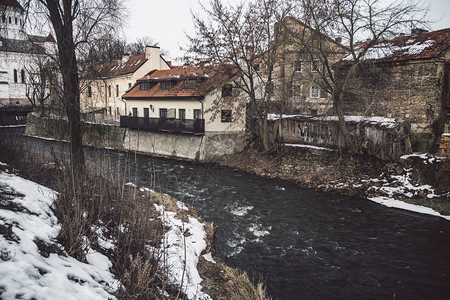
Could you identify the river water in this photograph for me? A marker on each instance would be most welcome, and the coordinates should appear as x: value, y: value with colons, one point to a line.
x: 302, y: 243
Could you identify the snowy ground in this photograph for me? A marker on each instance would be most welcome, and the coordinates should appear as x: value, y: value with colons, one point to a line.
x: 401, y: 186
x: 34, y: 266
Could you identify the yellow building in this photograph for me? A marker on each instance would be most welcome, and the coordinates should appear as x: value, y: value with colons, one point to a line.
x: 102, y: 88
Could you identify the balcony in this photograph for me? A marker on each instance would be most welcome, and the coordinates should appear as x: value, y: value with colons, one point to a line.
x: 169, y: 125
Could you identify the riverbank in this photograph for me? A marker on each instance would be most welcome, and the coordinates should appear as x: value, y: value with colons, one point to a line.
x: 422, y: 180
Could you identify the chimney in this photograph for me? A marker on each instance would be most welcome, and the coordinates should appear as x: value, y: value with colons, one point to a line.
x: 415, y: 32
x: 153, y: 54
x: 125, y: 58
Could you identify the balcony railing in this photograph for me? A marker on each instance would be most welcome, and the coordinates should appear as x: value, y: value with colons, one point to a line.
x: 156, y: 124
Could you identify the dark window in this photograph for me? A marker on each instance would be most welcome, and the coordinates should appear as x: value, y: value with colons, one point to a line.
x: 256, y: 67
x: 146, y: 112
x: 9, y: 19
x: 117, y: 90
x: 226, y: 115
x: 16, y: 21
x: 182, y: 114
x: 296, y: 91
x: 163, y: 113
x: 315, y: 65
x: 269, y: 88
x: 166, y: 85
x: 227, y: 90
x: 3, y: 19
x: 197, y: 114
x: 298, y: 66
x: 89, y: 91
x: 129, y: 84
x: 144, y: 86
x: 22, y: 76
x: 109, y: 91
x: 15, y: 76
x: 135, y: 112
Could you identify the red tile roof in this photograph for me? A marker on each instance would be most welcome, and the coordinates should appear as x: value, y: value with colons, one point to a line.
x: 427, y: 45
x: 190, y: 82
x: 118, y: 68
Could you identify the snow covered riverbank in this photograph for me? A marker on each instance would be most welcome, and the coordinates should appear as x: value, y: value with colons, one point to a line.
x: 34, y: 265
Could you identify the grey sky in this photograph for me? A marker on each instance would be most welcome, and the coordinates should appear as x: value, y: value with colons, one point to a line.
x: 167, y: 21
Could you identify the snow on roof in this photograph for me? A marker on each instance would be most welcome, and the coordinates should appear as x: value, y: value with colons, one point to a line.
x: 380, y: 121
x: 26, y: 273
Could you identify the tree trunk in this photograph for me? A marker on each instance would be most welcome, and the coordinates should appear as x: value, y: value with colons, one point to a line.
x: 62, y: 21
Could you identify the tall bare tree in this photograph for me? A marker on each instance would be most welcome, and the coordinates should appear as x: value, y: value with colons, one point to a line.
x: 76, y: 23
x: 349, y: 22
x: 241, y: 39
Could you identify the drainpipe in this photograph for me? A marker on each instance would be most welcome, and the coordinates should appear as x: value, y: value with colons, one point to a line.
x: 121, y: 98
x: 203, y: 117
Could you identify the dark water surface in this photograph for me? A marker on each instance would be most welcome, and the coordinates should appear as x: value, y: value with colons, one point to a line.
x: 304, y: 244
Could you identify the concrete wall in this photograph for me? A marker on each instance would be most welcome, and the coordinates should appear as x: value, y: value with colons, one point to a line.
x: 199, y: 148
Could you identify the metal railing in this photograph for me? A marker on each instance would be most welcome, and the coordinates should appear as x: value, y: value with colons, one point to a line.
x: 157, y: 124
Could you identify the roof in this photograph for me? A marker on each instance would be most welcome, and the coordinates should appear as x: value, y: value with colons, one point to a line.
x: 188, y: 82
x: 12, y: 3
x: 428, y: 45
x: 118, y: 67
x: 42, y: 39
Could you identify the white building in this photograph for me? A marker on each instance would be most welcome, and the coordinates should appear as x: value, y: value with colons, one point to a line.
x: 102, y: 88
x: 18, y: 52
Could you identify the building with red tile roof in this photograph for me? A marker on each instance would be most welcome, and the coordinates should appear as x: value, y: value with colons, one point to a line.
x: 406, y: 78
x: 189, y: 100
x: 103, y: 85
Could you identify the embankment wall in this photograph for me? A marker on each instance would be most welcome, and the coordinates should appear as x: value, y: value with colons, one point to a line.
x: 190, y: 147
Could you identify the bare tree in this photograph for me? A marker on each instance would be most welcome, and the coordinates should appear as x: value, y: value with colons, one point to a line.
x: 138, y: 47
x: 75, y: 24
x: 241, y: 39
x: 41, y: 75
x: 348, y: 22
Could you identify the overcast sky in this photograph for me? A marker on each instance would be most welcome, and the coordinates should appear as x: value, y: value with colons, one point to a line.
x: 168, y: 21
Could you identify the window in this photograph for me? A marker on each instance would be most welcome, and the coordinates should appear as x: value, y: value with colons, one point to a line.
x: 197, y: 114
x: 9, y: 19
x: 226, y: 116
x: 181, y: 114
x: 109, y: 91
x: 189, y: 84
x: 269, y: 88
x: 315, y: 65
x: 3, y: 19
x: 297, y: 66
x: 227, y: 90
x: 129, y: 84
x: 117, y: 90
x: 256, y: 67
x: 15, y: 75
x: 89, y: 92
x: 146, y: 112
x: 22, y: 76
x: 144, y: 86
x: 166, y: 85
x: 163, y: 113
x: 315, y: 91
x: 16, y: 21
x: 296, y: 91
x: 135, y: 112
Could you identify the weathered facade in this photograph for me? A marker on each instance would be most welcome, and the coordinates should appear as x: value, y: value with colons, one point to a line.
x: 405, y: 78
x: 382, y: 137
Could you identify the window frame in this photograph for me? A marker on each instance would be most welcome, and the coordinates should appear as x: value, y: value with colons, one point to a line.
x: 311, y: 95
x: 89, y: 92
x: 163, y: 113
x: 298, y: 66
x: 296, y: 90
x: 226, y: 116
x: 144, y: 86
x: 166, y: 85
x: 197, y: 114
x: 182, y: 114
x: 227, y: 90
x: 16, y: 78
x: 135, y: 112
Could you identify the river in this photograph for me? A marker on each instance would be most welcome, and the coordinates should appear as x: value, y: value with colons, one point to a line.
x: 302, y: 243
